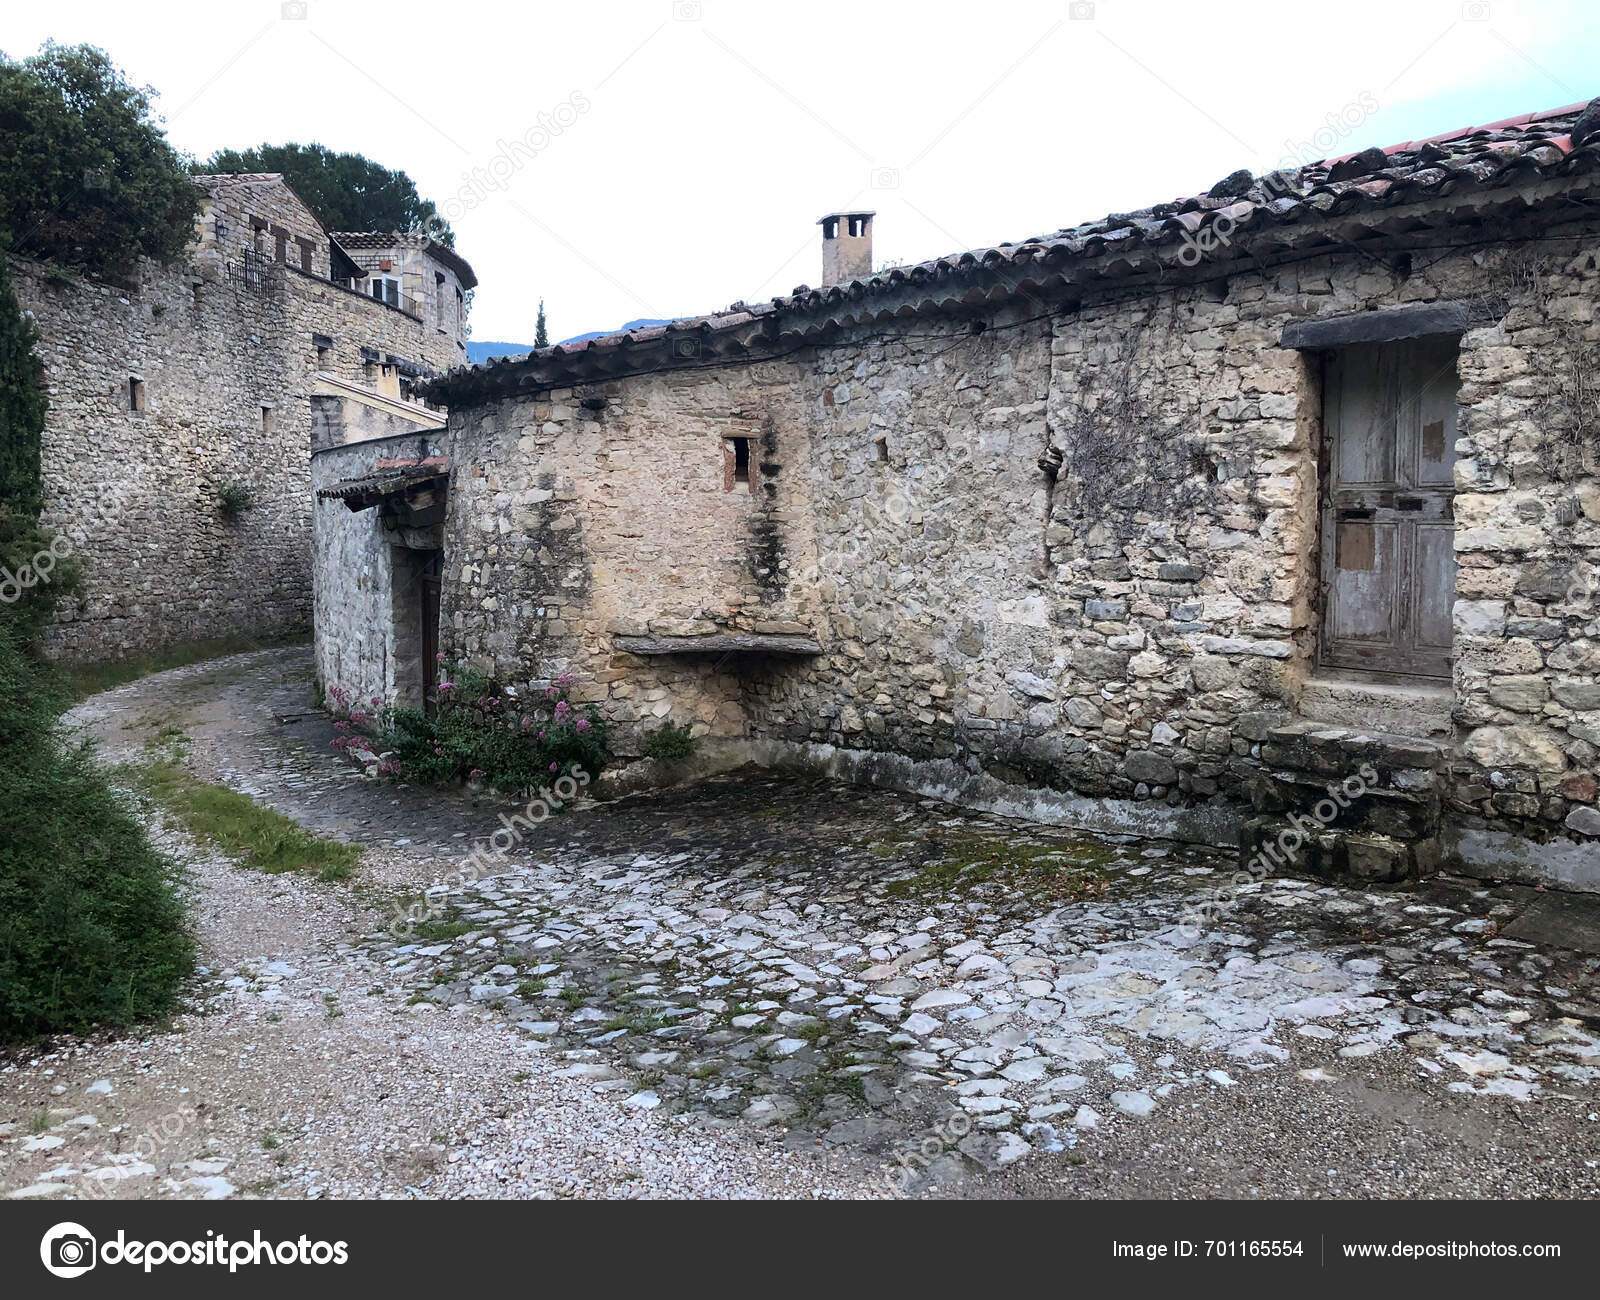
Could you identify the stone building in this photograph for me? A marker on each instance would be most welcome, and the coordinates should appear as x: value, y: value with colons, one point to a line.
x: 183, y: 407
x: 1170, y: 521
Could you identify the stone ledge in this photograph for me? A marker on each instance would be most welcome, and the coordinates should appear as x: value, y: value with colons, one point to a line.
x: 718, y: 643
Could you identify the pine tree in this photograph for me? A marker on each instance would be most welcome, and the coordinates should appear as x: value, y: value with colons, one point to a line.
x: 541, y: 336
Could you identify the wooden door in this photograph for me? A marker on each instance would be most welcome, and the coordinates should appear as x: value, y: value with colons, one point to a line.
x: 429, y: 567
x: 1388, y: 530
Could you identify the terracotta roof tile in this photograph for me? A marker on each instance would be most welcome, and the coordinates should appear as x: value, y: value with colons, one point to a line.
x: 1512, y: 151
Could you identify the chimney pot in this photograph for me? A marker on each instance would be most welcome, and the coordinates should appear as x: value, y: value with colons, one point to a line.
x: 846, y: 246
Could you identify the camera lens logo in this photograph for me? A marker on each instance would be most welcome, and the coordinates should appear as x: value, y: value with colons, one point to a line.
x: 68, y: 1250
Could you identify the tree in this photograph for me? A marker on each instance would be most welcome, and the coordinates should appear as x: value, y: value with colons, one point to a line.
x: 346, y: 190
x: 21, y: 406
x: 541, y: 336
x: 89, y: 178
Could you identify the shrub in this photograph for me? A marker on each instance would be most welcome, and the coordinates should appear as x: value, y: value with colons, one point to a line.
x: 233, y: 499
x: 669, y: 743
x: 92, y: 930
x: 482, y: 731
x: 22, y: 403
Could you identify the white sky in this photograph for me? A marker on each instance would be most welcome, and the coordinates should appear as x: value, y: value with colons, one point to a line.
x: 703, y: 139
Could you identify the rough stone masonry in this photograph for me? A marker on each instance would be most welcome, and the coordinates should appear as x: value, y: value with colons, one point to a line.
x: 1056, y: 516
x: 199, y: 377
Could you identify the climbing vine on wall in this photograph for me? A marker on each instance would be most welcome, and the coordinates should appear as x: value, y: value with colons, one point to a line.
x: 1567, y: 407
x: 1124, y: 431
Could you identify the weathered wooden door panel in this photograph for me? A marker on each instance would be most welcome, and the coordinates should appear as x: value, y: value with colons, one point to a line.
x: 1388, y: 557
x: 1362, y: 609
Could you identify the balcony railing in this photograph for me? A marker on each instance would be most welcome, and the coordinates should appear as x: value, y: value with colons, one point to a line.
x: 254, y: 273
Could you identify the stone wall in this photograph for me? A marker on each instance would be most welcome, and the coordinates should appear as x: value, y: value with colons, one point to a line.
x: 358, y: 628
x: 227, y: 364
x: 1065, y: 545
x: 137, y: 491
x: 581, y: 516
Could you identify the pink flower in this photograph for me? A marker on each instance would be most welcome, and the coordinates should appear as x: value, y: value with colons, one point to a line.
x: 544, y: 735
x: 566, y: 679
x: 562, y: 707
x: 376, y: 701
x: 583, y: 724
x: 447, y: 686
x: 475, y: 773
x: 439, y: 658
x: 554, y: 767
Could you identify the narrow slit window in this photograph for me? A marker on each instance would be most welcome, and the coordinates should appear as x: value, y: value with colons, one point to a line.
x: 266, y: 419
x: 135, y: 393
x: 735, y: 463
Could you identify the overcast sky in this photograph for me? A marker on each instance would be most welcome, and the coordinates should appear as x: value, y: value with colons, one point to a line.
x: 667, y: 157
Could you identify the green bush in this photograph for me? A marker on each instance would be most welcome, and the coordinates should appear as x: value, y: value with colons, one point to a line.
x: 482, y: 732
x: 233, y: 499
x: 21, y: 404
x: 90, y: 179
x: 669, y: 743
x: 92, y: 930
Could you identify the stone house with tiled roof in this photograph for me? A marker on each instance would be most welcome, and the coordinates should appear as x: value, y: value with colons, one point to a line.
x: 220, y: 373
x: 1267, y: 515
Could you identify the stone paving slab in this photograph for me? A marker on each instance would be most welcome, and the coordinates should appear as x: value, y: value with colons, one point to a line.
x: 952, y: 997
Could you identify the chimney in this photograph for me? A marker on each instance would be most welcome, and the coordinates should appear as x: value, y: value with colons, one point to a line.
x: 846, y: 246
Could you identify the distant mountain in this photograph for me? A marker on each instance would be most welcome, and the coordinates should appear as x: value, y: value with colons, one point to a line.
x: 643, y: 323
x: 478, y: 352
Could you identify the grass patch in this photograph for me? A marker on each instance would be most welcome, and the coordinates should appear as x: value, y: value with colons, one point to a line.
x: 254, y: 836
x: 89, y: 679
x: 439, y: 931
x: 1075, y: 868
x: 634, y: 1024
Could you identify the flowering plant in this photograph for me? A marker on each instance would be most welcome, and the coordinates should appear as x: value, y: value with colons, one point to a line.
x: 481, y: 730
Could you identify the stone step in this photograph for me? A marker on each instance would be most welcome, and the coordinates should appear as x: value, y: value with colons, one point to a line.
x: 1403, y: 709
x: 1364, y: 855
x: 1326, y: 749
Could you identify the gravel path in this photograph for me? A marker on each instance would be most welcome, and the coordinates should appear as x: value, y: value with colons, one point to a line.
x: 320, y: 1082
x: 769, y: 986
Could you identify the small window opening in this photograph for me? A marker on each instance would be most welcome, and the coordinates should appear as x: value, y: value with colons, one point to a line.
x: 135, y: 393
x: 266, y: 419
x: 324, y: 355
x: 830, y: 227
x: 741, y: 460
x: 882, y: 447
